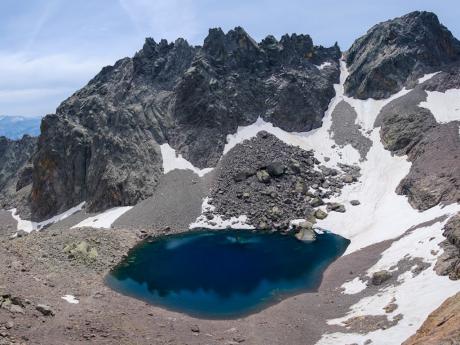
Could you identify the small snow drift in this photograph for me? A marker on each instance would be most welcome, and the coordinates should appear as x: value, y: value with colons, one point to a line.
x: 172, y: 160
x: 70, y: 299
x: 105, y: 219
x: 28, y: 226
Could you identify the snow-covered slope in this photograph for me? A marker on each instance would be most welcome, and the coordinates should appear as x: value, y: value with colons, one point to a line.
x: 382, y: 214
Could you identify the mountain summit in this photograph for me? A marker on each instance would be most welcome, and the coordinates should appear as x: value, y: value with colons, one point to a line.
x: 395, y: 53
x: 103, y: 143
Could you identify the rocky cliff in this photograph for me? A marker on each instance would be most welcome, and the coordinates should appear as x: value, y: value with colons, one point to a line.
x: 433, y: 148
x: 395, y: 53
x: 441, y: 326
x: 15, y: 167
x: 102, y: 145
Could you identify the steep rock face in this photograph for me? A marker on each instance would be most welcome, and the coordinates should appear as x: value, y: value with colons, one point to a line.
x: 102, y: 144
x: 395, y: 53
x: 448, y: 264
x: 406, y: 128
x: 403, y: 123
x: 435, y: 172
x: 14, y: 166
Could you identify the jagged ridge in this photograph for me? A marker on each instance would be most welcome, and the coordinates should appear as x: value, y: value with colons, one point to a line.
x: 102, y: 144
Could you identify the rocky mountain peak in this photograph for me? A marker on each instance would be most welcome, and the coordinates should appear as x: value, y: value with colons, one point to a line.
x: 395, y: 53
x: 235, y: 47
x: 102, y: 145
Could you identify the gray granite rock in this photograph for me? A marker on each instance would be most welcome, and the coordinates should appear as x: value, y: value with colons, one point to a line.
x: 397, y: 52
x: 102, y: 145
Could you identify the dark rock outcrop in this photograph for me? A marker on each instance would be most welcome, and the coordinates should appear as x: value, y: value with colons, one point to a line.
x: 434, y: 176
x: 441, y: 326
x: 102, y: 144
x: 14, y: 167
x: 448, y: 263
x: 395, y: 53
x: 433, y: 149
x: 403, y: 123
x: 447, y: 78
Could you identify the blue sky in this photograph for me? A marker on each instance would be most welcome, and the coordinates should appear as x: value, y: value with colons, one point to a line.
x: 50, y: 48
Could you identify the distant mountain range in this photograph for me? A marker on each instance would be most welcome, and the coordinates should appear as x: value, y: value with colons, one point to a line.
x: 14, y: 127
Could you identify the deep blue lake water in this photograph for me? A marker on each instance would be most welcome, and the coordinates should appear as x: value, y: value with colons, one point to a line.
x: 224, y: 274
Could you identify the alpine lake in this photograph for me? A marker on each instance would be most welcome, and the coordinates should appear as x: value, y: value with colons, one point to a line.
x: 224, y: 274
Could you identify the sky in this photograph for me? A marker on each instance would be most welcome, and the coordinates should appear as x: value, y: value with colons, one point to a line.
x: 51, y: 48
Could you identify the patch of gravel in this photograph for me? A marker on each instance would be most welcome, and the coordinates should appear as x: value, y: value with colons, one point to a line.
x: 272, y: 183
x: 8, y: 223
x: 40, y: 270
x: 345, y: 131
x: 174, y: 205
x: 371, y: 323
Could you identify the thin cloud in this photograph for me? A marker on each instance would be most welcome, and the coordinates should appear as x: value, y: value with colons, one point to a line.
x: 36, y: 85
x: 168, y: 19
x: 18, y: 70
x: 49, y: 9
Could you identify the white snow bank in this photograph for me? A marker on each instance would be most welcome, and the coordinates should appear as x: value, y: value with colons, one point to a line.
x: 217, y: 222
x: 172, y: 160
x: 28, y: 226
x: 416, y: 296
x: 324, y: 64
x: 354, y: 286
x: 105, y: 219
x: 427, y: 77
x: 382, y: 214
x: 71, y: 299
x: 445, y: 106
x: 368, y: 109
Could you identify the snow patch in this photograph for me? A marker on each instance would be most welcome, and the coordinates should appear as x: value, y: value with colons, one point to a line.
x: 172, y: 161
x: 28, y: 226
x: 71, y: 299
x: 324, y: 64
x: 105, y: 219
x: 416, y: 296
x: 445, y: 106
x: 354, y: 286
x: 217, y: 222
x: 426, y: 77
x: 368, y: 109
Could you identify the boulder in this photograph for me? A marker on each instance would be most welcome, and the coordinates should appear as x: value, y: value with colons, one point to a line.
x: 336, y: 207
x: 242, y: 175
x: 380, y: 277
x: 320, y: 214
x: 294, y: 165
x: 45, y: 309
x: 263, y: 176
x: 347, y: 178
x: 316, y: 202
x: 276, y: 169
x: 306, y: 232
